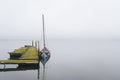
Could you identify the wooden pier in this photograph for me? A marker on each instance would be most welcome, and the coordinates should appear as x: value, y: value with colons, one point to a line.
x: 25, y: 57
x: 19, y: 62
x: 22, y: 64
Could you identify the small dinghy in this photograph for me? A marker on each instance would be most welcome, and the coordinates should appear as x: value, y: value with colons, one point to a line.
x: 44, y: 55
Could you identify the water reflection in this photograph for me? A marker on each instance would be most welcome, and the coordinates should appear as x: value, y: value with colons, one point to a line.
x: 38, y: 74
x: 40, y: 71
x: 43, y: 73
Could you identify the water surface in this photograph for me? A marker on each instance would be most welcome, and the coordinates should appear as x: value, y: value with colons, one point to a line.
x: 72, y: 59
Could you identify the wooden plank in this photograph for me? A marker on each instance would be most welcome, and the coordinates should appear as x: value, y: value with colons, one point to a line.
x: 18, y: 61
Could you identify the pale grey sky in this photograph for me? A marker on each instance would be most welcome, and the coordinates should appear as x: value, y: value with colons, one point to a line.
x: 63, y: 18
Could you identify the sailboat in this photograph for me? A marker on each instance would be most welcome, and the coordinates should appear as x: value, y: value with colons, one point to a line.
x: 44, y: 53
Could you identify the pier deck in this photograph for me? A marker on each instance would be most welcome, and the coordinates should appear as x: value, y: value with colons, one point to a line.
x: 18, y: 61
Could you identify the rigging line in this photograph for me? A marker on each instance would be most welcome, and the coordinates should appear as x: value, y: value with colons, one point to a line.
x: 43, y: 31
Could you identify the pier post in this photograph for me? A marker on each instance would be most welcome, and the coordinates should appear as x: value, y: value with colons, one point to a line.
x: 33, y: 43
x: 4, y: 66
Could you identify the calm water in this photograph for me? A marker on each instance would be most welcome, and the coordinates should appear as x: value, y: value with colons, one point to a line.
x: 80, y: 59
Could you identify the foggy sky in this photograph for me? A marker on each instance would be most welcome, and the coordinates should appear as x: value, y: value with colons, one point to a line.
x: 21, y: 19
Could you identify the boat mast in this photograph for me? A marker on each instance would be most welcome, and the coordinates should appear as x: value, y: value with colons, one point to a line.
x: 43, y: 31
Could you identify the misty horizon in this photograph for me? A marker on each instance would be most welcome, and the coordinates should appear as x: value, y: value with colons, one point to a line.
x: 63, y: 19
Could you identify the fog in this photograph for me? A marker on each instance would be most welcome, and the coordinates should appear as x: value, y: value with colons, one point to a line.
x: 21, y: 19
